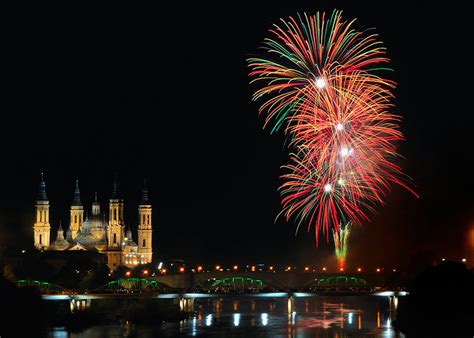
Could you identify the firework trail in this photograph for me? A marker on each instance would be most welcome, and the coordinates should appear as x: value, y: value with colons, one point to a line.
x: 321, y: 87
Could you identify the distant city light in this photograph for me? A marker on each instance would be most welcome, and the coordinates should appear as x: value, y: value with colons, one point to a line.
x: 163, y: 270
x: 443, y: 259
x: 394, y: 270
x: 235, y: 267
x: 464, y: 260
x: 359, y: 269
x: 236, y: 319
x: 378, y: 270
x: 181, y: 269
x: 341, y: 269
x: 145, y: 272
x: 324, y: 268
x: 306, y: 268
x: 271, y: 268
x: 127, y: 273
x: 199, y: 268
x: 218, y: 267
x: 264, y: 317
x: 253, y: 267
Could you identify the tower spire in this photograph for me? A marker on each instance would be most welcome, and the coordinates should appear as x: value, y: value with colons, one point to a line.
x: 42, y: 190
x: 77, y: 195
x: 116, y: 191
x: 145, y: 193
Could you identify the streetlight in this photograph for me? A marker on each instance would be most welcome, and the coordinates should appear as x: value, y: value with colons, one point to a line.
x: 235, y: 267
x: 218, y: 267
x: 378, y: 270
x: 324, y: 269
x: 145, y: 272
x: 306, y: 268
x: 359, y: 269
x: 181, y: 269
x: 127, y: 273
x: 199, y: 268
x: 464, y: 260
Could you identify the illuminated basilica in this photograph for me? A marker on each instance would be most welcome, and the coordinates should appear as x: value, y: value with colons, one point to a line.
x: 95, y: 233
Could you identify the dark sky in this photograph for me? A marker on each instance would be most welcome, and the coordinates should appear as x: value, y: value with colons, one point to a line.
x: 162, y: 93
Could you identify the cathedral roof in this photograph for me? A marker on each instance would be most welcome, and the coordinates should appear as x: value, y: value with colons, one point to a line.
x: 42, y: 190
x: 116, y: 194
x: 144, y: 194
x: 77, y: 195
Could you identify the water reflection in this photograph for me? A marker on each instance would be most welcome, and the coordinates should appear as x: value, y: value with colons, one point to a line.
x: 278, y: 317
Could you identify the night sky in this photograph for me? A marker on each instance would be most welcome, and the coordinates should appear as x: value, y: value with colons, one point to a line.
x: 163, y: 93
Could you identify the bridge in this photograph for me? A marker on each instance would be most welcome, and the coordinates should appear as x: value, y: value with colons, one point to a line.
x: 280, y: 280
x: 129, y: 288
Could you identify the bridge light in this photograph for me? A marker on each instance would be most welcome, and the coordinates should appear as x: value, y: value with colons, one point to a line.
x: 199, y: 268
x: 306, y: 268
x: 378, y: 270
x: 341, y: 269
x: 359, y: 269
x: 127, y: 273
x: 163, y: 270
x: 271, y: 268
x: 145, y: 272
x: 253, y: 267
x: 324, y: 269
x: 288, y: 268
x: 235, y: 267
x: 181, y: 269
x: 218, y: 267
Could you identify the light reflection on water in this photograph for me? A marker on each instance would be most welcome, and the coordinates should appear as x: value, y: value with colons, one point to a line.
x: 278, y: 317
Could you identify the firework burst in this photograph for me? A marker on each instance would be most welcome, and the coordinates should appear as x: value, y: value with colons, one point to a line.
x: 320, y: 82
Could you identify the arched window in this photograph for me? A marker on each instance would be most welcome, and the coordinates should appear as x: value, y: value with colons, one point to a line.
x: 41, y: 239
x: 75, y: 218
x: 143, y: 221
x: 115, y: 238
x: 148, y: 219
x: 143, y: 245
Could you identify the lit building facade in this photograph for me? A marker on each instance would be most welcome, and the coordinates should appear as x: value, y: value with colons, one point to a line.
x: 95, y: 233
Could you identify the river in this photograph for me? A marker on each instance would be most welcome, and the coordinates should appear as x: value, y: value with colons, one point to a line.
x: 320, y: 316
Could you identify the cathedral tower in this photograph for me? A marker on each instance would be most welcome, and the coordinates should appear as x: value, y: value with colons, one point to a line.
x: 144, y: 228
x: 77, y: 212
x: 41, y: 228
x: 116, y: 224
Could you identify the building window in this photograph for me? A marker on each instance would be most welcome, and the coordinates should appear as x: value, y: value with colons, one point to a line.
x: 41, y: 239
x: 115, y: 238
x: 143, y: 221
x: 148, y: 218
x: 143, y: 245
x: 75, y: 218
